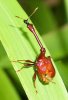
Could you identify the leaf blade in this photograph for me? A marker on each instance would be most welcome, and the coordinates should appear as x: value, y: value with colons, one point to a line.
x: 16, y: 46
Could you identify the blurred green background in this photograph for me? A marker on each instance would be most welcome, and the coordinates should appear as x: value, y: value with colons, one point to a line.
x: 51, y: 21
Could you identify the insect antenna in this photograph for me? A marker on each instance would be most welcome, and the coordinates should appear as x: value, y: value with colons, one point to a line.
x: 33, y: 13
x: 30, y: 15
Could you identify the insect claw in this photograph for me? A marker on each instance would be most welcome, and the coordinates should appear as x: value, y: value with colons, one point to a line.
x: 36, y: 91
x: 35, y: 88
x: 19, y: 69
x: 14, y: 61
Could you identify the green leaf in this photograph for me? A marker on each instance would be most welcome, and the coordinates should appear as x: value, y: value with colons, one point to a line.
x: 57, y: 42
x: 7, y: 91
x: 66, y: 7
x: 19, y: 43
x: 62, y: 66
x: 43, y: 19
x: 4, y: 60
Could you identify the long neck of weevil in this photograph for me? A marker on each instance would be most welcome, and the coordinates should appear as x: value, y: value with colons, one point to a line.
x: 43, y: 51
x: 31, y: 28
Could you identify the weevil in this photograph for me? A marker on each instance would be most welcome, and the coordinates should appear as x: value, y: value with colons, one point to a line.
x: 43, y: 66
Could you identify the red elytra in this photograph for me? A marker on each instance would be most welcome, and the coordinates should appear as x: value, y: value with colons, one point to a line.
x: 43, y: 66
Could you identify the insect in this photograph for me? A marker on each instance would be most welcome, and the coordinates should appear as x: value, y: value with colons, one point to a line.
x: 43, y: 66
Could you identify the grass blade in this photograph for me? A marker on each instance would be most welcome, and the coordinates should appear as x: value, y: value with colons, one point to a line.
x: 7, y: 91
x: 19, y: 43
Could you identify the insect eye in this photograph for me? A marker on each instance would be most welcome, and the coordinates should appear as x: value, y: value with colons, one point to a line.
x: 26, y: 21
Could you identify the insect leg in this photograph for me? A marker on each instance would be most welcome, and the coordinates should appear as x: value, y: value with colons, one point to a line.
x: 49, y: 79
x: 26, y: 61
x: 26, y: 64
x: 34, y: 79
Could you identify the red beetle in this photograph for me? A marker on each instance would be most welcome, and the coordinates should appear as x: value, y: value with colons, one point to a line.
x: 43, y: 66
